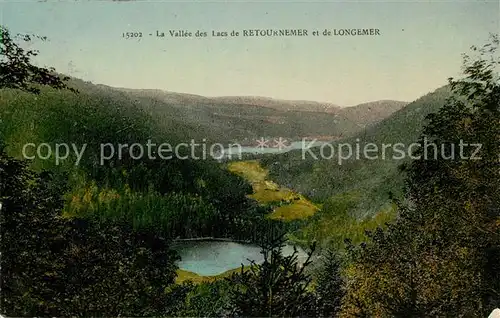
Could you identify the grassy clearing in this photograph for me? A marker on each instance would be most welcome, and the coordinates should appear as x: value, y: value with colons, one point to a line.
x: 289, y: 204
x: 250, y: 169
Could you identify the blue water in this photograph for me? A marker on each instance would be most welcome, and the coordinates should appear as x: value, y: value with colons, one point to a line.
x: 235, y: 152
x: 208, y: 258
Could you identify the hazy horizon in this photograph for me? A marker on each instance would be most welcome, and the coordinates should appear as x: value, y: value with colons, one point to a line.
x: 256, y: 96
x: 420, y: 46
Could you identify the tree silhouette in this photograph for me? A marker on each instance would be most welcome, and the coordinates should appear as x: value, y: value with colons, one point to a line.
x: 441, y: 256
x: 17, y: 69
x: 278, y: 287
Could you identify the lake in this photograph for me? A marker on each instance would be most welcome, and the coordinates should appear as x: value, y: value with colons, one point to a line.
x: 235, y: 151
x: 209, y: 257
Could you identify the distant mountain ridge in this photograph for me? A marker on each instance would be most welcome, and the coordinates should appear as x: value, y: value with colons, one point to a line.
x: 370, y: 181
x: 382, y: 108
x: 270, y: 102
x: 242, y: 119
x: 281, y: 104
x: 255, y: 116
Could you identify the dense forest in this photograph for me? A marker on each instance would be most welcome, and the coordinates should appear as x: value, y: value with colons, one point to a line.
x: 90, y: 238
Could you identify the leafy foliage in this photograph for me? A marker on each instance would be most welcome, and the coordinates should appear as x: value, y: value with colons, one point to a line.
x: 16, y: 69
x: 30, y: 237
x: 208, y: 299
x: 330, y: 284
x: 186, y: 198
x: 278, y: 287
x: 333, y: 224
x: 85, y: 239
x: 441, y: 256
x: 59, y: 267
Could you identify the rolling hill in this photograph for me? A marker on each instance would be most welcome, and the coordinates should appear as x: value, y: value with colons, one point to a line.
x: 280, y: 104
x: 240, y: 119
x: 179, y: 197
x: 183, y: 117
x: 373, y: 112
x: 367, y: 181
x: 101, y: 113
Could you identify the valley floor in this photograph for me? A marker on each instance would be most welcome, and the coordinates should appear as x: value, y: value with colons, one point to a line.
x: 287, y: 204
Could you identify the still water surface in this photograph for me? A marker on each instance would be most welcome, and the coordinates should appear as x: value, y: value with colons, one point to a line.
x: 235, y: 152
x: 209, y: 258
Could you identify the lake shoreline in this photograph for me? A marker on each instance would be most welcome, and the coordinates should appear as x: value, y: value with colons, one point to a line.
x: 212, y: 239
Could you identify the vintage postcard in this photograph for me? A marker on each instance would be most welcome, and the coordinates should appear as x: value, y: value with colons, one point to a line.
x: 250, y: 158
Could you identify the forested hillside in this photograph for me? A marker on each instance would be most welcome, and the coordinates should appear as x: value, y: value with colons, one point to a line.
x: 368, y: 182
x: 82, y: 234
x: 245, y: 119
x: 93, y: 118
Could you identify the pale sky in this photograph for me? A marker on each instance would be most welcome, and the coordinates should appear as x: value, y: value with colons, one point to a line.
x: 419, y: 47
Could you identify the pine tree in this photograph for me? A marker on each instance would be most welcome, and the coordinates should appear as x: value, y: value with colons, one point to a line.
x: 279, y: 287
x: 441, y: 256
